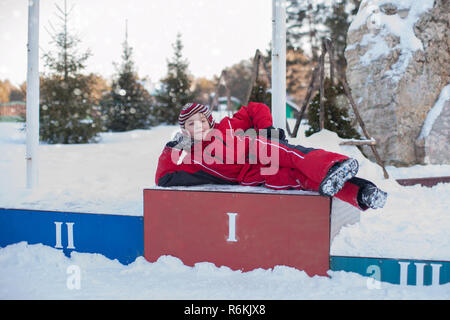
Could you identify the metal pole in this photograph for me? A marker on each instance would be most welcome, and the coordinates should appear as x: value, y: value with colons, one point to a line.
x: 32, y: 121
x: 279, y: 63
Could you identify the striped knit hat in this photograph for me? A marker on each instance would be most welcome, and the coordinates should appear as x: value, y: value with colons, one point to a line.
x: 190, y: 109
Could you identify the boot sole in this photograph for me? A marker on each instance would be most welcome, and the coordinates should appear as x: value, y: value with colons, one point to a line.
x: 334, y: 183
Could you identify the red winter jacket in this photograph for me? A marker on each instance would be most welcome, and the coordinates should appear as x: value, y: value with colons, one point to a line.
x: 223, y: 158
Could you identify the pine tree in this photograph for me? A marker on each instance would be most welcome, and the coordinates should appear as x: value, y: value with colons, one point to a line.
x: 128, y: 105
x: 304, y: 21
x: 338, y: 22
x: 336, y: 118
x: 308, y: 22
x: 67, y: 110
x: 175, y: 89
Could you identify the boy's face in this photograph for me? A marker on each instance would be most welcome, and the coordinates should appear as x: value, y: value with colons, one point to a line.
x: 197, y: 126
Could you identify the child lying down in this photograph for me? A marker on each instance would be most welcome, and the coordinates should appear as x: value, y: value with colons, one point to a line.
x: 246, y: 149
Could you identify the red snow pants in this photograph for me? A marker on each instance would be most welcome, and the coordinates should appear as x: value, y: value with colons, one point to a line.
x: 299, y: 168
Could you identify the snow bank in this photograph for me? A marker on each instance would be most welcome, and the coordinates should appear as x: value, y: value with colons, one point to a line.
x: 41, y: 272
x: 107, y: 177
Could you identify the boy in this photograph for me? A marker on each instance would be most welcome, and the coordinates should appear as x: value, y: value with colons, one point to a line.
x: 247, y: 150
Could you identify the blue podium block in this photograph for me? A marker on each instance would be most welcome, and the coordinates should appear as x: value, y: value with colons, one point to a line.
x: 114, y: 236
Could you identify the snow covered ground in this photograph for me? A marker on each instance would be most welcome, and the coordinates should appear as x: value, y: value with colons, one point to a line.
x: 109, y: 177
x: 41, y: 272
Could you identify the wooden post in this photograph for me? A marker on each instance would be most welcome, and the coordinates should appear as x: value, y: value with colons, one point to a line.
x: 363, y: 127
x: 306, y: 101
x: 224, y: 77
x: 266, y: 70
x: 330, y: 50
x: 216, y: 95
x: 288, y: 129
x: 371, y: 142
x: 254, y: 75
x: 228, y: 92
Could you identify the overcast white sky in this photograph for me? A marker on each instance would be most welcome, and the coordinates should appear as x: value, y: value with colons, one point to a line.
x: 215, y: 33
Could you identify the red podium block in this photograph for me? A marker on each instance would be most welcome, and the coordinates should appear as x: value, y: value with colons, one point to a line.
x: 241, y: 230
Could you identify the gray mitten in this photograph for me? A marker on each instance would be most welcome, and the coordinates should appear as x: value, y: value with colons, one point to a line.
x: 183, y: 142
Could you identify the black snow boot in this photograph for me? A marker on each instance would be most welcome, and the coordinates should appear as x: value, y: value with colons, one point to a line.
x: 337, y: 176
x: 373, y: 197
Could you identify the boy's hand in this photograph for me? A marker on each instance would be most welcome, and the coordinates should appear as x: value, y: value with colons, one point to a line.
x: 272, y: 133
x: 182, y: 141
